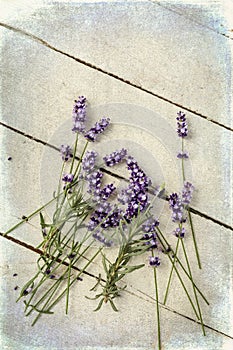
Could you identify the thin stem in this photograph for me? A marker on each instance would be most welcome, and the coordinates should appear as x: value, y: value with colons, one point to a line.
x: 50, y: 297
x: 71, y: 283
x: 181, y: 265
x: 189, y: 215
x: 194, y: 290
x: 182, y: 161
x: 194, y: 240
x: 68, y: 288
x: 80, y: 159
x: 29, y: 216
x: 157, y: 306
x: 59, y: 184
x: 74, y: 153
x: 171, y: 272
x: 53, y: 259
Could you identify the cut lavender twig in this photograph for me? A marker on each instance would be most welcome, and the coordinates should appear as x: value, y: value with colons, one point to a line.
x: 171, y: 272
x: 165, y: 244
x: 194, y: 239
x: 117, y: 270
x: 155, y: 262
x: 182, y: 131
x: 71, y: 206
x: 179, y: 204
x: 84, y: 201
x: 194, y: 289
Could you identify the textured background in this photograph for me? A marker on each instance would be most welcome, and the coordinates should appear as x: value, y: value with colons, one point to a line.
x: 160, y: 56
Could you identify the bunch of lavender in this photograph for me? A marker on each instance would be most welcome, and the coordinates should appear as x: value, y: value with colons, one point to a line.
x: 60, y: 251
x: 128, y: 218
x: 98, y: 212
x: 138, y: 210
x: 179, y: 206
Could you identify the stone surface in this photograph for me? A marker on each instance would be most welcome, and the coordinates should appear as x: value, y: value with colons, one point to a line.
x: 130, y: 34
x: 157, y: 46
x: 133, y: 327
x: 57, y: 80
x: 214, y: 241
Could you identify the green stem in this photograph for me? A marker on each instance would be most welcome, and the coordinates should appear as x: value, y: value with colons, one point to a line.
x: 80, y: 159
x: 68, y: 288
x: 50, y: 297
x: 53, y: 259
x: 74, y: 153
x: 194, y: 290
x: 71, y: 283
x: 182, y: 161
x: 29, y: 216
x: 194, y: 240
x: 171, y: 272
x: 157, y: 306
x: 179, y: 262
x: 59, y: 184
x: 189, y: 215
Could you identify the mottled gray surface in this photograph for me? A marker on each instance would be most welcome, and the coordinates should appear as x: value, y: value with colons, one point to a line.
x: 146, y: 49
x: 174, y: 51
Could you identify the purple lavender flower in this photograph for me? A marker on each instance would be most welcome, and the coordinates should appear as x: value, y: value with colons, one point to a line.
x: 182, y: 155
x: 88, y: 162
x: 187, y: 193
x: 138, y: 186
x: 68, y: 178
x: 27, y: 290
x: 113, y: 219
x: 79, y: 114
x: 179, y: 232
x: 115, y: 157
x: 150, y: 224
x: 150, y: 235
x: 176, y: 205
x: 182, y: 129
x: 106, y: 192
x: 66, y: 152
x: 94, y: 181
x: 154, y: 261
x: 101, y: 212
x: 100, y: 237
x: 105, y: 216
x: 125, y: 195
x: 150, y: 240
x: 98, y: 128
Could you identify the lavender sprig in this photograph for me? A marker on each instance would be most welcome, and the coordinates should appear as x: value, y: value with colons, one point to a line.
x: 86, y: 202
x: 98, y: 128
x: 130, y: 246
x: 79, y: 115
x: 155, y: 262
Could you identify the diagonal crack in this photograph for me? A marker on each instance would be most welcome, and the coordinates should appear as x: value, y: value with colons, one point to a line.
x: 175, y: 10
x: 110, y: 74
x: 111, y: 173
x: 144, y: 296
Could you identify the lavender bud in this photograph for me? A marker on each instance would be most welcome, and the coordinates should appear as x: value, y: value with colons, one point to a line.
x: 182, y: 129
x: 97, y: 129
x: 154, y: 261
x: 115, y: 157
x: 79, y: 114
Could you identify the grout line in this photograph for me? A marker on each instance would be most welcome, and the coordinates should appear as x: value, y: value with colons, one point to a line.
x: 192, y: 210
x: 112, y: 75
x: 178, y: 313
x: 39, y: 251
x: 207, y: 217
x: 30, y: 137
x: 190, y: 19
